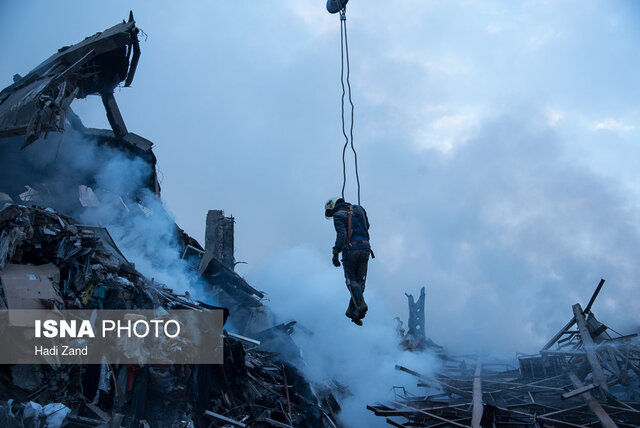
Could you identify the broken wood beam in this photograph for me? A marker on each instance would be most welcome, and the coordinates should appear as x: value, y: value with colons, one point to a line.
x: 559, y: 334
x: 243, y: 338
x: 588, y: 345
x: 431, y: 415
x: 578, y: 391
x: 84, y: 421
x: 396, y: 424
x: 593, y: 404
x: 478, y: 407
x: 411, y: 372
x: 224, y: 419
x: 587, y: 309
x: 552, y: 422
x: 453, y: 390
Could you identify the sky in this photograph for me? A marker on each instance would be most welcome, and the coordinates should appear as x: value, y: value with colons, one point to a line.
x: 497, y: 144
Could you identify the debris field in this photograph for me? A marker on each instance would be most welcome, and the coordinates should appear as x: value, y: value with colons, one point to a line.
x: 78, y: 265
x: 585, y: 375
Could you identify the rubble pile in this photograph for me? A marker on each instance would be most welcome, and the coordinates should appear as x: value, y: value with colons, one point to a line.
x: 50, y: 261
x: 81, y: 267
x: 585, y: 376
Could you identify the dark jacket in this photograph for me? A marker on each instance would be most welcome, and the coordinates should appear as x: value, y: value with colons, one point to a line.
x: 359, y: 227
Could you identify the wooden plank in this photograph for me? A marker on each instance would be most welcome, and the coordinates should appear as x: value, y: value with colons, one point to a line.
x: 97, y: 410
x: 593, y: 404
x: 83, y: 421
x: 388, y: 411
x: 553, y: 422
x: 579, y: 391
x: 614, y: 365
x: 411, y: 372
x: 559, y: 334
x: 452, y: 389
x: 395, y: 424
x: 588, y: 345
x: 243, y: 338
x: 274, y: 423
x: 627, y: 407
x: 444, y: 424
x: 478, y: 407
x: 224, y: 419
x: 558, y: 412
x: 431, y: 415
x: 563, y: 353
x: 593, y: 297
x: 628, y: 363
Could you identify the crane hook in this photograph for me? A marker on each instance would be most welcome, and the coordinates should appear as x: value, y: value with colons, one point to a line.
x: 335, y: 6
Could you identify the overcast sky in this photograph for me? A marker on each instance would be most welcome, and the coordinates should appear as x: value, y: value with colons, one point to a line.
x: 497, y: 141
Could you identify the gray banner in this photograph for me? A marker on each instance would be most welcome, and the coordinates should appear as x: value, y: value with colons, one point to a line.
x: 111, y: 336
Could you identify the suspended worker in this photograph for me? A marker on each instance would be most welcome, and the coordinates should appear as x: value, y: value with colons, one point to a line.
x: 352, y: 240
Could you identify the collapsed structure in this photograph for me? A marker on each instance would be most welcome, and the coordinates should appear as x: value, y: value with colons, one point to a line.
x: 57, y: 192
x: 585, y: 376
x: 59, y: 214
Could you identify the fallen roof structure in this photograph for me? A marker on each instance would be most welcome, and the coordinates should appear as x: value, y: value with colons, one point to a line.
x: 582, y: 377
x: 38, y: 102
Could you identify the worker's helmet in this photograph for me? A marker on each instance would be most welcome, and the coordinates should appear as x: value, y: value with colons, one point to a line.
x: 330, y: 205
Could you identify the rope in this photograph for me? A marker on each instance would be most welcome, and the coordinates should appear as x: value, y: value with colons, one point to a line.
x: 344, y: 54
x: 344, y: 132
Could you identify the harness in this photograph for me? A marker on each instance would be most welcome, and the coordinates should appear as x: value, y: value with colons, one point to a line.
x: 350, y: 243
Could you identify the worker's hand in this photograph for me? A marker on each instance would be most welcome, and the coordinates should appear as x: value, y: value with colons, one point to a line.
x: 335, y: 260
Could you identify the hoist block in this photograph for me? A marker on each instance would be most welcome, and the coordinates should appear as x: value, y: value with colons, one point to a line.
x: 335, y: 6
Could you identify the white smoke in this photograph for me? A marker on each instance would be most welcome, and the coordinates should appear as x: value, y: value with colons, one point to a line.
x: 136, y: 218
x: 303, y: 286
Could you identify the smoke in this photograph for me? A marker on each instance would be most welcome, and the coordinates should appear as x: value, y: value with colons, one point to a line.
x: 507, y: 231
x: 137, y: 220
x: 302, y: 286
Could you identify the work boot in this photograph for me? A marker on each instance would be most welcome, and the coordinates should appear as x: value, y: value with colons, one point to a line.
x: 353, y: 314
x: 363, y: 309
x: 351, y: 310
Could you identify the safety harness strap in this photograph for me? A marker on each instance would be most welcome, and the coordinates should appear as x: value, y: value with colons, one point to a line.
x: 350, y: 230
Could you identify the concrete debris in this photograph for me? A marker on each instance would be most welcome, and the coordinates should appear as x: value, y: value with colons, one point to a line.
x: 29, y: 195
x: 77, y: 266
x: 87, y: 197
x: 38, y: 102
x: 415, y: 338
x: 30, y: 287
x: 587, y: 376
x: 219, y: 237
x: 5, y: 199
x: 27, y: 376
x: 48, y: 259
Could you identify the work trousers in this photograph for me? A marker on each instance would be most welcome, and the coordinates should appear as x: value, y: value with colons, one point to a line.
x: 355, y: 263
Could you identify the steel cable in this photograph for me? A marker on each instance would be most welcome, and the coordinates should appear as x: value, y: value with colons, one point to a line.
x: 344, y: 55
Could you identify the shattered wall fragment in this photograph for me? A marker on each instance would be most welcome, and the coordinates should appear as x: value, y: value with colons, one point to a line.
x: 37, y: 103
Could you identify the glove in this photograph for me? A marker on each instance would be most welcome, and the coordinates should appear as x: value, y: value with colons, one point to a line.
x: 335, y: 260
